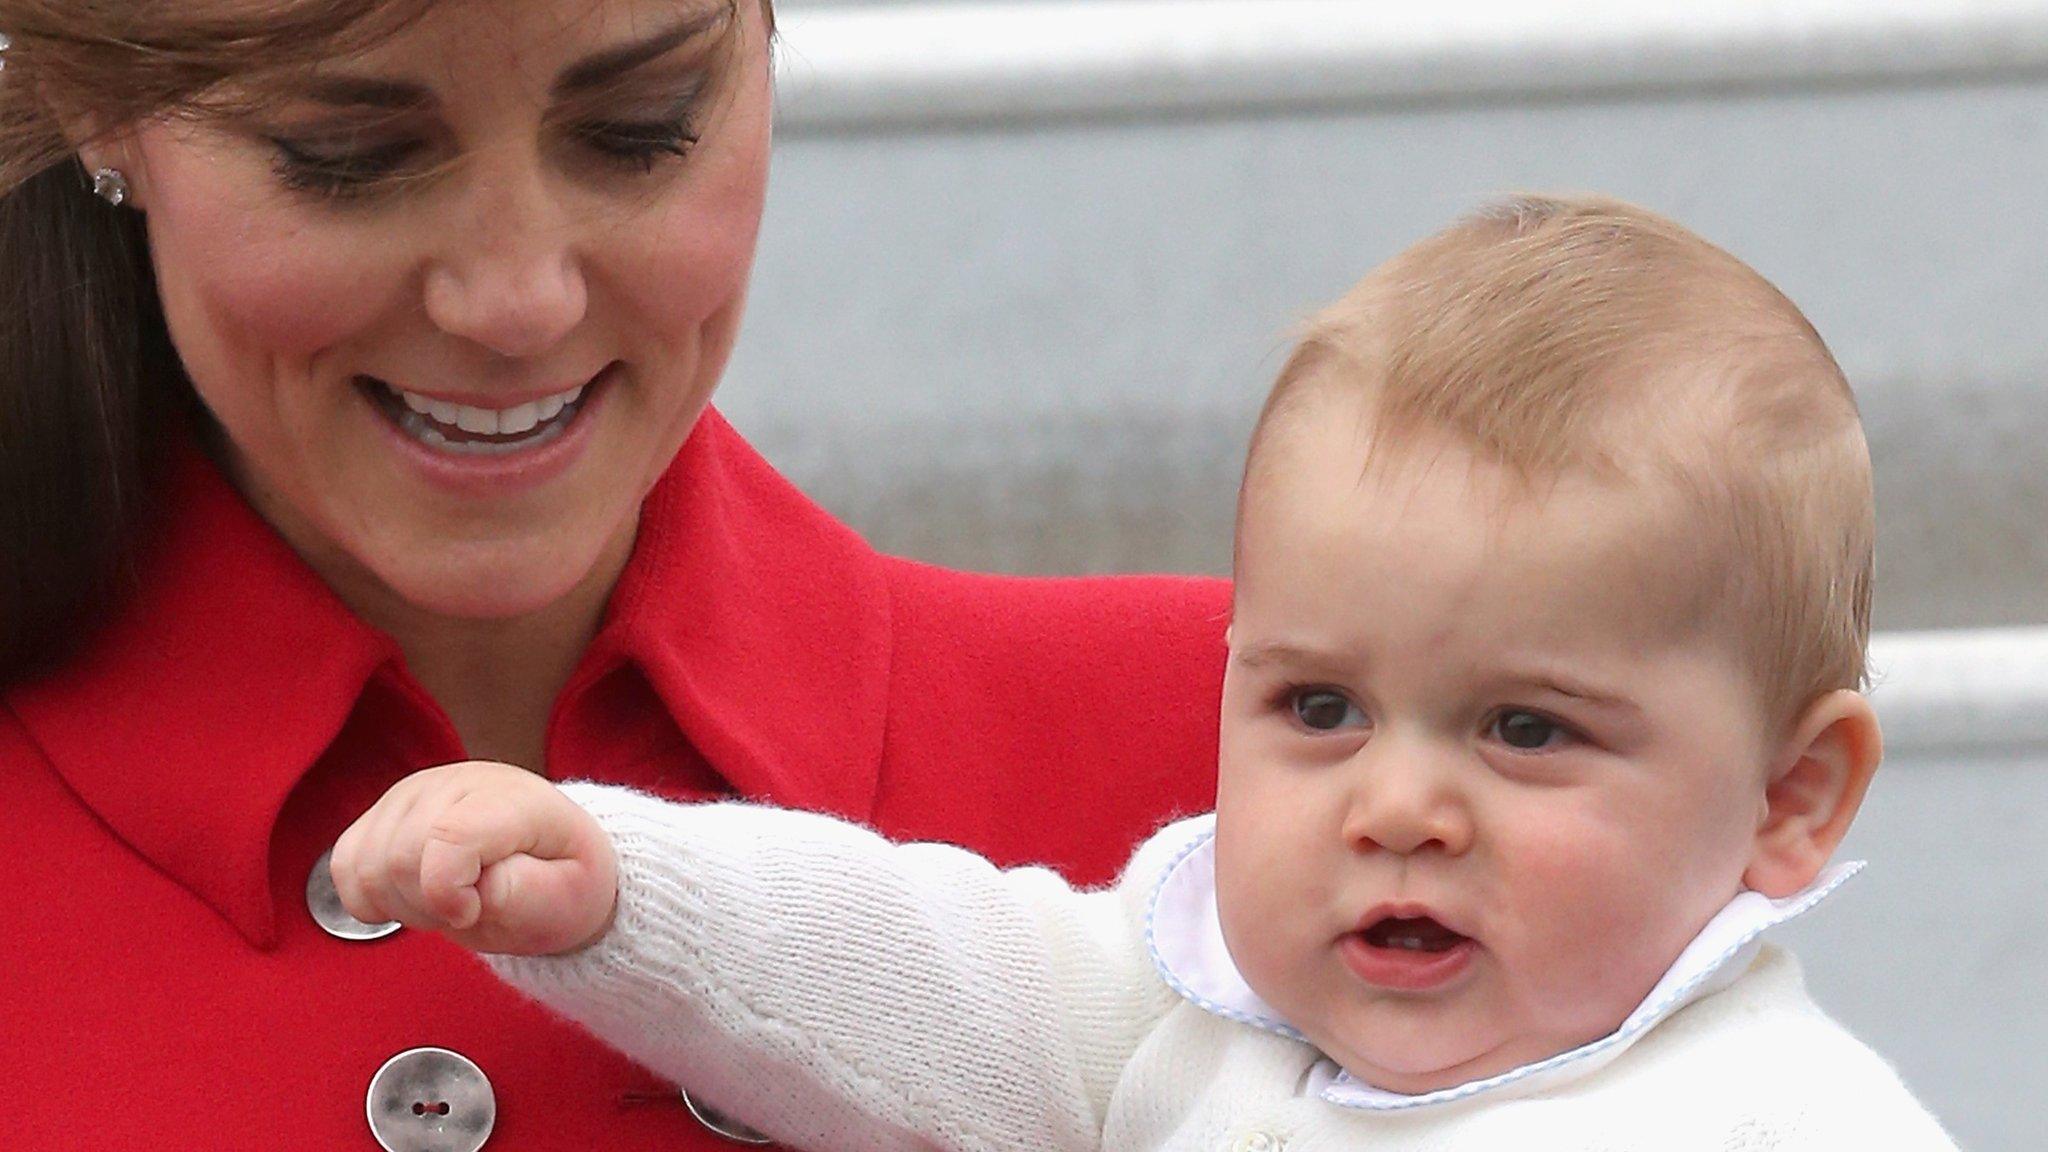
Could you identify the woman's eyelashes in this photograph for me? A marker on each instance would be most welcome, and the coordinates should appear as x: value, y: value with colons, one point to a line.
x: 335, y: 170
x: 349, y: 168
x: 641, y: 144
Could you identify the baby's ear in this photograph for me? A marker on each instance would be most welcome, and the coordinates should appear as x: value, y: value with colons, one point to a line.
x: 1816, y: 785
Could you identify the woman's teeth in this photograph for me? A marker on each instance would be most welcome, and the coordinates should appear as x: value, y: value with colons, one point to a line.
x: 465, y: 428
x: 491, y: 421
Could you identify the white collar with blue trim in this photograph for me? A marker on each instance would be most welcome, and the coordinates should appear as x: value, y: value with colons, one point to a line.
x: 1186, y: 942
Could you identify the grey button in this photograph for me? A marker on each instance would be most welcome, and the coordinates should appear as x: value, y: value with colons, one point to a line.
x: 431, y: 1100
x: 715, y: 1122
x: 325, y: 905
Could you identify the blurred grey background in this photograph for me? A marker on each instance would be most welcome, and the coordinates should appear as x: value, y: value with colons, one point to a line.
x: 1035, y: 343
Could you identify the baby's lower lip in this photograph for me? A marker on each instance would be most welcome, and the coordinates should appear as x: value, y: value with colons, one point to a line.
x: 1406, y: 970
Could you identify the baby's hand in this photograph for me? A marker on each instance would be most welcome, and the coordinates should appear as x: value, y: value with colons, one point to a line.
x: 493, y: 856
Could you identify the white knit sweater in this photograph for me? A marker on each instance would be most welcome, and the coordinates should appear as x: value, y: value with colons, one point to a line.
x: 844, y: 994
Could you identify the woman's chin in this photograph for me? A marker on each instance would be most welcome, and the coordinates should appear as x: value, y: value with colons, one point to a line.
x: 500, y: 582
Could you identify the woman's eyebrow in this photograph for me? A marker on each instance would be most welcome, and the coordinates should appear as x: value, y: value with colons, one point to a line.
x: 362, y: 92
x: 599, y: 68
x: 591, y: 72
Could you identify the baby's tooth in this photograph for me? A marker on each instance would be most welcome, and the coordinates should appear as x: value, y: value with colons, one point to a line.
x: 442, y: 411
x: 419, y: 404
x: 513, y: 421
x: 574, y: 394
x: 551, y: 408
x: 477, y: 421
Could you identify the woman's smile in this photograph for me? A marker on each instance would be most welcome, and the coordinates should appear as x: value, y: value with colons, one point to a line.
x: 452, y: 350
x: 469, y: 429
x: 479, y: 451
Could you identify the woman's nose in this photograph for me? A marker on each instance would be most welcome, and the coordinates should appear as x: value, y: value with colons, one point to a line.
x: 1408, y: 800
x: 509, y: 276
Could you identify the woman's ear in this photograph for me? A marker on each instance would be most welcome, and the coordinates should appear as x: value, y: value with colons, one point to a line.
x: 117, y: 155
x: 1816, y: 784
x: 102, y: 148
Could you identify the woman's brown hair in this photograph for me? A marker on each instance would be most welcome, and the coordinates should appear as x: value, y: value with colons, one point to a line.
x: 91, y: 391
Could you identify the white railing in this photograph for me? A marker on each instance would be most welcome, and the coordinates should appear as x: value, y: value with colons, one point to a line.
x: 1979, y: 689
x: 947, y: 64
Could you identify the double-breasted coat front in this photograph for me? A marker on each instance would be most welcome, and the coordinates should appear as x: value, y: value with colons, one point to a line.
x: 168, y: 793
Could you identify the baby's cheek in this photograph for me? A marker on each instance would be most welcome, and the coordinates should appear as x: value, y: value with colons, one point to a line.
x: 1585, y: 897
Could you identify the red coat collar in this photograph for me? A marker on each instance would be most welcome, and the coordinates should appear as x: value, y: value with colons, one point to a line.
x: 761, y: 624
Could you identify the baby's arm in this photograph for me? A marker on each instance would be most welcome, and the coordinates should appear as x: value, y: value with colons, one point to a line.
x: 837, y: 991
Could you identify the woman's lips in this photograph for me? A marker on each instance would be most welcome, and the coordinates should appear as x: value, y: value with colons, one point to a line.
x: 1407, y: 952
x: 498, y: 469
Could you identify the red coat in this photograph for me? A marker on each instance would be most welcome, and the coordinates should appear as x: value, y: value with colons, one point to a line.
x: 163, y: 986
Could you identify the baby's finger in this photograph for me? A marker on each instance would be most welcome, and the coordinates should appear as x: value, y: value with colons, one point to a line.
x: 393, y: 849
x: 448, y: 874
x: 538, y: 907
x: 351, y: 866
x: 459, y: 837
x: 513, y: 817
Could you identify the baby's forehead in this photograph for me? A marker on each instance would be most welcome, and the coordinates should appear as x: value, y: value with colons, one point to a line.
x: 1552, y: 546
x: 1635, y: 464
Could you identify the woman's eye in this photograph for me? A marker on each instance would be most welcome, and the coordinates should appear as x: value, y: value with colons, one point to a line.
x: 340, y: 172
x: 1325, y: 711
x: 640, y: 144
x: 1529, y: 731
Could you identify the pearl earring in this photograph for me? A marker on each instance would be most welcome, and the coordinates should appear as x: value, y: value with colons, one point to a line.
x: 108, y: 184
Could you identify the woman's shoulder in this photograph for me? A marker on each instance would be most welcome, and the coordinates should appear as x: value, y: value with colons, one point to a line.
x: 1177, y: 619
x: 1105, y: 661
x: 1050, y: 720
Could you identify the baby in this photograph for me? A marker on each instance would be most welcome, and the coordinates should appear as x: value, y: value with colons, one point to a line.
x: 1552, y: 589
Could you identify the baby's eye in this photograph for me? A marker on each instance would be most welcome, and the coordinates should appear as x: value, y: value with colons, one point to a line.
x: 1324, y: 710
x: 1529, y: 731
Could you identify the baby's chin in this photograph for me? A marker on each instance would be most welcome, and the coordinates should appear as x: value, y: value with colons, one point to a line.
x: 1417, y: 1063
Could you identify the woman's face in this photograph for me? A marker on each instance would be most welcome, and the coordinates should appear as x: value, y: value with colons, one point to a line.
x: 458, y: 300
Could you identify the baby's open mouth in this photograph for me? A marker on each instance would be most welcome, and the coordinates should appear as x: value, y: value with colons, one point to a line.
x: 1409, y: 954
x: 1416, y: 934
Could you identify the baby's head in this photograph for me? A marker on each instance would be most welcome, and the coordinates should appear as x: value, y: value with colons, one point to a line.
x: 1553, y: 580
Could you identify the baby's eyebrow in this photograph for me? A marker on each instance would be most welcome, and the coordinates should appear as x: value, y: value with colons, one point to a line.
x: 1582, y: 691
x: 1266, y: 653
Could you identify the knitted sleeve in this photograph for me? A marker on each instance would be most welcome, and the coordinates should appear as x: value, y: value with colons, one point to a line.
x: 836, y: 991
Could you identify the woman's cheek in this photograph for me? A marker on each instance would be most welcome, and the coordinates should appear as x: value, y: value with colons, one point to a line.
x: 702, y: 254
x: 243, y: 272
x: 704, y: 230
x: 696, y: 272
x: 296, y: 301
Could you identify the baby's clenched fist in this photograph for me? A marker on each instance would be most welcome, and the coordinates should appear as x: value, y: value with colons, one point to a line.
x: 493, y: 856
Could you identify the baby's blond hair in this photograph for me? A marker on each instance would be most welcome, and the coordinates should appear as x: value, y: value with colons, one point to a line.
x: 1581, y: 335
